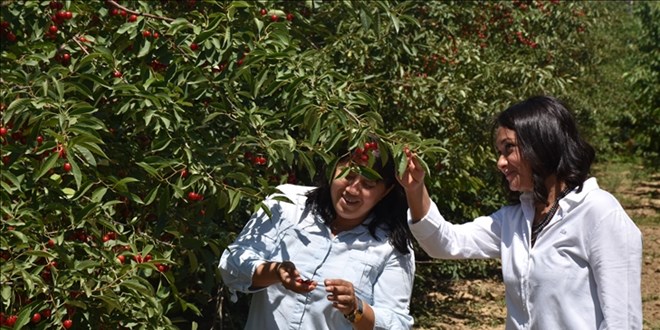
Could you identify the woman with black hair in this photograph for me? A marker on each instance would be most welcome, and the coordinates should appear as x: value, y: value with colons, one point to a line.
x: 571, y: 256
x: 335, y: 256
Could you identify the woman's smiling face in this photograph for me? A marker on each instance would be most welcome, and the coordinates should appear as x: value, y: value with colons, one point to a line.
x: 354, y: 196
x: 517, y: 171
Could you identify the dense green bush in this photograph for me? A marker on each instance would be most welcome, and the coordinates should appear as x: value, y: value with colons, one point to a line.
x: 138, y: 136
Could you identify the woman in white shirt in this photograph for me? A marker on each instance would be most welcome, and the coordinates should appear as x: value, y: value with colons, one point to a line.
x: 571, y: 257
x: 336, y: 256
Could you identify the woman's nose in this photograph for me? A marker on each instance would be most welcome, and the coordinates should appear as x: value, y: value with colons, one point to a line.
x: 501, y: 163
x: 353, y: 185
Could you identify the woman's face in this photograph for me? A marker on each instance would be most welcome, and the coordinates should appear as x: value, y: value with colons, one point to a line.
x: 510, y: 162
x: 353, y: 196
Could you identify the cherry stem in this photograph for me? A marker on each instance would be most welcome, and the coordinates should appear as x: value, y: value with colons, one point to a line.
x: 84, y: 49
x: 115, y: 4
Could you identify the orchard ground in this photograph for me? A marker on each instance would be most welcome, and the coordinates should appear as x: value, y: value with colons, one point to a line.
x: 478, y: 304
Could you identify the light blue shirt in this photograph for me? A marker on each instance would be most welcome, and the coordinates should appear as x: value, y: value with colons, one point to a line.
x: 381, y: 276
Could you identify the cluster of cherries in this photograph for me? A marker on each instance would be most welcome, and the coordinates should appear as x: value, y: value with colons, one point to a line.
x: 6, y: 32
x: 58, y: 18
x: 275, y: 17
x: 194, y: 196
x: 121, y: 12
x: 256, y: 160
x: 10, y: 320
x: 362, y: 155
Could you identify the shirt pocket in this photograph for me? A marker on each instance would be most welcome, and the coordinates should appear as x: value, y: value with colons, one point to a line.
x: 366, y: 268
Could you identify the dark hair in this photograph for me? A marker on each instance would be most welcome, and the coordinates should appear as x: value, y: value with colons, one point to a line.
x: 549, y: 141
x: 391, y: 211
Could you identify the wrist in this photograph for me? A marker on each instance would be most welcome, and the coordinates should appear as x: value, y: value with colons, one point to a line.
x: 356, y: 315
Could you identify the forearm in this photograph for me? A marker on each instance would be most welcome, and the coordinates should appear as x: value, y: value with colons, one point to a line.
x: 419, y: 202
x: 265, y: 275
x: 368, y: 320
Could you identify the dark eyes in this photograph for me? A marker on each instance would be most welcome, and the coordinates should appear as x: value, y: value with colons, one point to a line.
x: 508, y: 148
x: 367, y: 183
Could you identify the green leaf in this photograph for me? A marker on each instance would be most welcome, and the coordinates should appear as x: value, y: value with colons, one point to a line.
x: 150, y: 169
x: 151, y: 196
x: 136, y: 286
x: 47, y: 165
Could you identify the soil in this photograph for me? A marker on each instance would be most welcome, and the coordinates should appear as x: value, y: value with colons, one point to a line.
x: 478, y: 304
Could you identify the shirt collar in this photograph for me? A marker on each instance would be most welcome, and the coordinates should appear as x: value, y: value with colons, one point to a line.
x: 573, y: 198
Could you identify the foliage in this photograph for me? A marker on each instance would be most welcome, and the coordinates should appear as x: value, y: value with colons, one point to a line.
x: 150, y: 130
x: 645, y: 78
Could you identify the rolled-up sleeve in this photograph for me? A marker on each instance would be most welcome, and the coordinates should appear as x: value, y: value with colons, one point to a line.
x: 392, y: 292
x: 254, y: 246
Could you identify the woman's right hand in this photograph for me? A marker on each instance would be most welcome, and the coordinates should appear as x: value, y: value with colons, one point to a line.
x: 290, y: 278
x: 412, y: 178
x: 412, y: 181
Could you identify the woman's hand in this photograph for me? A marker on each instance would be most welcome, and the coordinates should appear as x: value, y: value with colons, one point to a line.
x: 290, y: 278
x: 412, y: 181
x: 341, y: 294
x: 413, y: 177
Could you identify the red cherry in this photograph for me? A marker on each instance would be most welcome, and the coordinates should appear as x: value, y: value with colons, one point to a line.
x: 290, y: 17
x: 148, y: 258
x: 40, y: 139
x: 66, y: 57
x: 68, y: 15
x: 36, y: 318
x: 53, y: 29
x: 117, y: 74
x: 274, y: 18
x: 3, y: 131
x: 156, y: 35
x: 67, y: 324
x: 114, y: 12
x: 264, y: 11
x: 146, y: 34
x: 193, y: 196
x: 138, y: 258
x: 131, y: 18
x: 67, y: 167
x: 11, y: 320
x: 46, y: 313
x: 121, y: 259
x: 51, y: 243
x: 194, y: 46
x: 184, y: 173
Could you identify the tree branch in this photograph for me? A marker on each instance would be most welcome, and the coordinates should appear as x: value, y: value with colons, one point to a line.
x: 116, y: 5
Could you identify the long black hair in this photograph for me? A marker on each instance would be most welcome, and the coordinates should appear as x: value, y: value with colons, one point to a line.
x: 391, y: 211
x: 549, y: 141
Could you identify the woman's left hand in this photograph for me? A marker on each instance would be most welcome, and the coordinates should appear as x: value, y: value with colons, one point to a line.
x: 341, y: 294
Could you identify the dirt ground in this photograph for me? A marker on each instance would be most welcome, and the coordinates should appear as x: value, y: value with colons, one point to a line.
x: 479, y: 304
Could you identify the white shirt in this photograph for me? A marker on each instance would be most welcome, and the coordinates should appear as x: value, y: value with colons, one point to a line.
x: 381, y: 275
x: 583, y: 273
